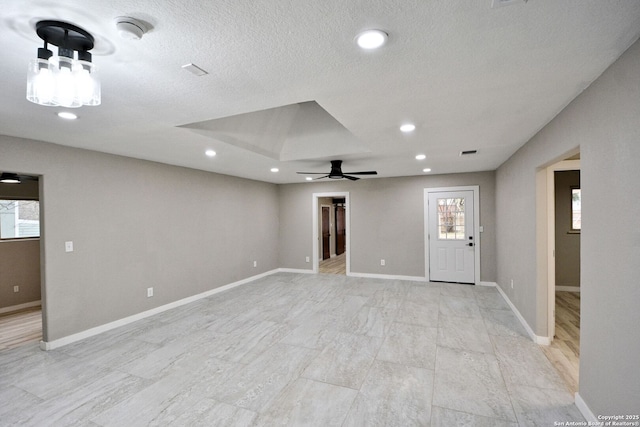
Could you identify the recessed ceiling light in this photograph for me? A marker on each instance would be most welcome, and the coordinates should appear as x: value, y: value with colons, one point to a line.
x: 371, y: 39
x: 67, y: 115
x: 309, y: 178
x: 426, y: 170
x: 407, y: 127
x: 210, y: 153
x: 421, y: 157
x: 275, y: 169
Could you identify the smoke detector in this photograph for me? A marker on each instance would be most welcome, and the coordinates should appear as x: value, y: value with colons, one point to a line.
x: 130, y: 28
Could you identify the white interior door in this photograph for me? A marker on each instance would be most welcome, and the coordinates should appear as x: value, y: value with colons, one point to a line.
x: 452, y: 244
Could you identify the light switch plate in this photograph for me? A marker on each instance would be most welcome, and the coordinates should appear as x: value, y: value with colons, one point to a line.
x: 68, y: 246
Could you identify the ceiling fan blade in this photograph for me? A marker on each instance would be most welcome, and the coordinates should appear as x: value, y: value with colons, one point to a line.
x: 326, y: 176
x: 311, y: 173
x: 352, y: 178
x: 363, y: 173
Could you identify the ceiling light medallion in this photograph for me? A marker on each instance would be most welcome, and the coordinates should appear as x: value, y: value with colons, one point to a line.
x: 66, y: 80
x: 371, y: 39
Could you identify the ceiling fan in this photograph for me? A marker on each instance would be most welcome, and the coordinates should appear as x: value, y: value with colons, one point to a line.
x: 14, y: 178
x: 336, y: 172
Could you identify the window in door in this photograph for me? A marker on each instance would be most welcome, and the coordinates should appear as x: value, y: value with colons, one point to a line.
x: 451, y: 224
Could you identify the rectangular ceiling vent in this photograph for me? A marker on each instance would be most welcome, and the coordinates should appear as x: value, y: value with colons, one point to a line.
x: 468, y: 152
x: 501, y: 3
x: 195, y: 70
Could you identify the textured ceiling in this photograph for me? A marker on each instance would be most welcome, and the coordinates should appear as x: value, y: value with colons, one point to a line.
x: 468, y: 75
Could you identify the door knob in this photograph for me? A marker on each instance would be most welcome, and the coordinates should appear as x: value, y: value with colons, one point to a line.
x: 469, y: 244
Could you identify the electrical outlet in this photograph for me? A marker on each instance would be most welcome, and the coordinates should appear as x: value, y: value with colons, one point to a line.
x: 16, y: 289
x: 149, y: 292
x: 255, y: 263
x: 511, y: 283
x: 381, y: 262
x: 307, y: 259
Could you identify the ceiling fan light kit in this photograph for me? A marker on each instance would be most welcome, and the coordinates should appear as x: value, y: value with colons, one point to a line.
x: 9, y: 178
x: 68, y: 79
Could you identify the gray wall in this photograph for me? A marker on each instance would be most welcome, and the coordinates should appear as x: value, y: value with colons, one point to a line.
x: 567, y: 242
x: 603, y: 122
x: 138, y: 224
x: 19, y: 259
x: 19, y: 265
x: 387, y: 222
x: 27, y: 190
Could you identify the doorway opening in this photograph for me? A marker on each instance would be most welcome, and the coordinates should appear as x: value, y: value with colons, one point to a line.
x: 564, y: 213
x: 331, y: 232
x: 21, y: 319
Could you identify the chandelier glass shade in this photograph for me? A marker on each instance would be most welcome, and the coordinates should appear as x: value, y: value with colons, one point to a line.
x: 68, y: 79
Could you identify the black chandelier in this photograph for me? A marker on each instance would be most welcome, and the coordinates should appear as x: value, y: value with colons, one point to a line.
x: 68, y: 79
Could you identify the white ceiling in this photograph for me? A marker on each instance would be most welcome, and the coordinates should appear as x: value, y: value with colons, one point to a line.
x: 468, y: 75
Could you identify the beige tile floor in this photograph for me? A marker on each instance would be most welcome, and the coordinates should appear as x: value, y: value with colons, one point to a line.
x: 297, y: 349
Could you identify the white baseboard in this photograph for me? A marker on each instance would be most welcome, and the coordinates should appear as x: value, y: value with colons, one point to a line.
x: 388, y: 277
x: 487, y: 284
x: 567, y: 288
x: 20, y: 306
x: 294, y: 270
x: 536, y: 338
x: 50, y: 345
x: 584, y: 410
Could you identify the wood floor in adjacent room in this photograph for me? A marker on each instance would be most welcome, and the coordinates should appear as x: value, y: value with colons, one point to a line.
x: 21, y: 327
x: 298, y: 349
x: 334, y: 265
x: 564, y: 351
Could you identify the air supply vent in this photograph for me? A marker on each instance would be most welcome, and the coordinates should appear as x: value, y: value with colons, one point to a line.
x: 468, y: 152
x: 195, y: 70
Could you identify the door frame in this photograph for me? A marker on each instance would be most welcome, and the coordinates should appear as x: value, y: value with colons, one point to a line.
x: 476, y: 232
x: 315, y: 224
x: 565, y: 165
